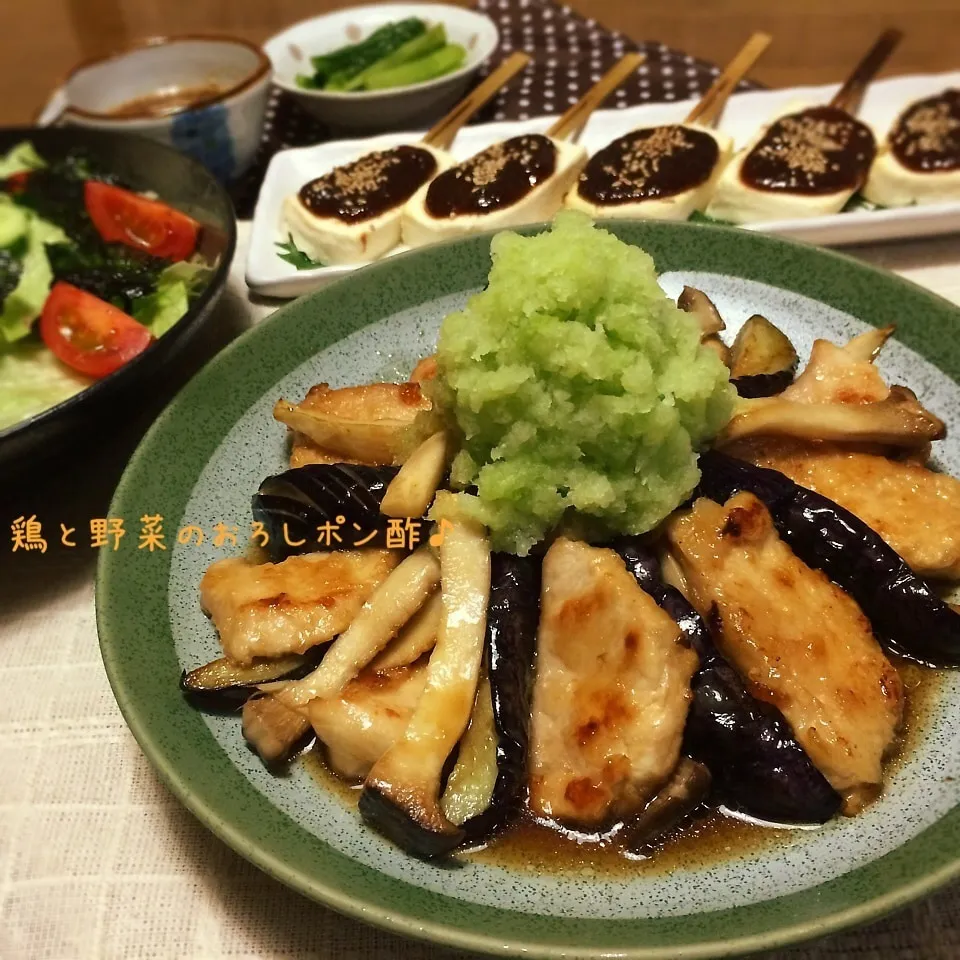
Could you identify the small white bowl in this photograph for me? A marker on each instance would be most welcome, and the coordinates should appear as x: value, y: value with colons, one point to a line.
x: 377, y: 110
x: 222, y: 130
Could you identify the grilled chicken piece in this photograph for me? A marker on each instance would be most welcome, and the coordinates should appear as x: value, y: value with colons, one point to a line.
x: 611, y: 693
x: 272, y: 609
x: 368, y: 717
x: 796, y: 638
x: 916, y: 510
x: 375, y: 401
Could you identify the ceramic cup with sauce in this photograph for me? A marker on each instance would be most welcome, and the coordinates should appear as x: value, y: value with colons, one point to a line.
x: 205, y: 96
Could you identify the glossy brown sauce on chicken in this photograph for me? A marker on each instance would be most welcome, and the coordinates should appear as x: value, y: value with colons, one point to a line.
x: 706, y: 838
x: 926, y: 138
x: 815, y: 151
x: 647, y: 164
x: 369, y: 186
x: 497, y: 177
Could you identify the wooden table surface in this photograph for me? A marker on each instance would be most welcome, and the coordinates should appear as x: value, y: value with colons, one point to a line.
x: 815, y: 41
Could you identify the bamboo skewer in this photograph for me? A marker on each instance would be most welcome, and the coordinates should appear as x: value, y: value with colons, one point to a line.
x: 849, y: 96
x: 441, y: 134
x: 571, y: 123
x: 713, y: 101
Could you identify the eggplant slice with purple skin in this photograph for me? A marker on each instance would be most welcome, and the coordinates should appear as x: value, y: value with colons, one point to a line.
x: 906, y: 613
x: 758, y: 767
x: 687, y: 790
x: 762, y: 359
x: 487, y: 785
x: 292, y: 506
x: 401, y: 795
x: 512, y: 618
x: 225, y: 686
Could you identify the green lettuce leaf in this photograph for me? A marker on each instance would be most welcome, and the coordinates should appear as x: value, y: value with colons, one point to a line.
x: 19, y: 159
x: 33, y: 379
x: 24, y: 303
x: 13, y: 222
x: 160, y: 310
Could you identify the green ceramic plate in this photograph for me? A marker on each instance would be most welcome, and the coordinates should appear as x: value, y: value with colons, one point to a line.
x: 204, y: 458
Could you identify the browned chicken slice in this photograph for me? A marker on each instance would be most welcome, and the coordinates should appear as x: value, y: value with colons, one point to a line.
x: 796, y: 638
x: 368, y: 717
x: 375, y: 401
x: 916, y: 510
x: 611, y: 693
x: 271, y: 609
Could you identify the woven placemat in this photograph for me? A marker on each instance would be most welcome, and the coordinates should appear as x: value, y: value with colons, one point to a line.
x: 570, y: 53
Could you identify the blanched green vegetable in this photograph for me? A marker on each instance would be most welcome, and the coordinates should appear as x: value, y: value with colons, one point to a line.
x: 332, y: 71
x: 445, y: 60
x: 426, y: 43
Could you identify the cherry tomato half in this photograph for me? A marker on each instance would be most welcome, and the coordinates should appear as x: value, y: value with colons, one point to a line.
x: 89, y: 334
x: 124, y: 217
x: 17, y: 183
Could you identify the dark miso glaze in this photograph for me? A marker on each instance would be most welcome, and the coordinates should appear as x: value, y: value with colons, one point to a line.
x: 647, y: 164
x: 496, y: 177
x: 367, y: 187
x: 926, y: 138
x: 815, y: 151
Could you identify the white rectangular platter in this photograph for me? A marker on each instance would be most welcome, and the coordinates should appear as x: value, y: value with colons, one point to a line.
x: 267, y: 274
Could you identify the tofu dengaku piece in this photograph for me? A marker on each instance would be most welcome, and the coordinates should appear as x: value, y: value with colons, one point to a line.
x: 352, y: 213
x: 804, y: 164
x: 919, y: 162
x: 659, y: 173
x: 517, y: 181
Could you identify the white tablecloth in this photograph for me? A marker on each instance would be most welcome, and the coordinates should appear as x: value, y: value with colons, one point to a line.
x: 96, y: 858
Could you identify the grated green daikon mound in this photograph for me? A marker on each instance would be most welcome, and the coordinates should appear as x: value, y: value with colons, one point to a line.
x: 580, y: 390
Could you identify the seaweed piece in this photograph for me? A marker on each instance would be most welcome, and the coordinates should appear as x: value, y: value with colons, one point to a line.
x: 11, y: 266
x: 112, y: 271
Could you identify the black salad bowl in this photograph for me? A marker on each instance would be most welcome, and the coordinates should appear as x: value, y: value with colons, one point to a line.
x: 144, y: 165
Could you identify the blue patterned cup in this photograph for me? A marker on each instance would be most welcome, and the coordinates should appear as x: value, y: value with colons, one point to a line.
x: 205, y: 96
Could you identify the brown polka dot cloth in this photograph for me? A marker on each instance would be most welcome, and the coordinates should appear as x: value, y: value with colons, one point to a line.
x: 570, y: 53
